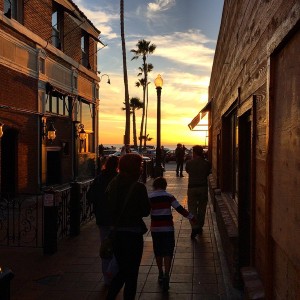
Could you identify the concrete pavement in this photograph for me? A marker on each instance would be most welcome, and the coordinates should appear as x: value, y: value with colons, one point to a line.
x: 198, y: 272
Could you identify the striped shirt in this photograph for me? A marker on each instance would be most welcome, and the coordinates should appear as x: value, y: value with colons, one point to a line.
x: 161, y: 213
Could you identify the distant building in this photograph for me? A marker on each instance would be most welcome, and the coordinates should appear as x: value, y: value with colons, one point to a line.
x: 48, y: 78
x: 254, y: 140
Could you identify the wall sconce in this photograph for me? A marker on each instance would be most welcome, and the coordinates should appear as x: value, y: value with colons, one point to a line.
x: 108, y: 79
x: 1, y: 130
x: 81, y: 134
x: 50, y: 131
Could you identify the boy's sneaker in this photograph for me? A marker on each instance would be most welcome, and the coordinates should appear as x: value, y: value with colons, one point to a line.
x: 165, y: 283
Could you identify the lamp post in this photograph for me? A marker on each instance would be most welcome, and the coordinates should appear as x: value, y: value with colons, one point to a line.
x: 158, y: 167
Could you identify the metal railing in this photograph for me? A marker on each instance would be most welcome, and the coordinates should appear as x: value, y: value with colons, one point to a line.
x: 21, y: 221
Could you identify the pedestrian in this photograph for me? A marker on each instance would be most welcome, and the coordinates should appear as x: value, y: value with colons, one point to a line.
x: 162, y: 228
x: 163, y: 156
x: 179, y: 155
x: 128, y: 203
x: 198, y: 169
x: 95, y: 195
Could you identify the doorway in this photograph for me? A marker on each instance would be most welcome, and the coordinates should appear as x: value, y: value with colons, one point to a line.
x: 245, y: 182
x: 53, y: 167
x: 9, y: 150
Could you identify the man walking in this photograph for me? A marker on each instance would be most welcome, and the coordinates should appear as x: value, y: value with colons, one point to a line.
x: 179, y: 155
x: 198, y: 169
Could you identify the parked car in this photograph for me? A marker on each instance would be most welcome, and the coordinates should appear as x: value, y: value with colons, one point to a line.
x: 188, y: 154
x: 146, y: 158
x: 109, y: 152
x: 151, y: 153
x: 170, y: 155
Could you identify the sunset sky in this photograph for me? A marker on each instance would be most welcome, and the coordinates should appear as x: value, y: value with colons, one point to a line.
x: 185, y: 33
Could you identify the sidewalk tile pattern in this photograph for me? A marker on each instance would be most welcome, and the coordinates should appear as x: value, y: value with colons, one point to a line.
x: 74, y: 271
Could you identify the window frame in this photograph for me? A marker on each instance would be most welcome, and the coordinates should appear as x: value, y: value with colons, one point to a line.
x: 88, y: 145
x: 229, y: 153
x: 53, y: 105
x: 84, y: 45
x: 58, y: 26
x: 16, y: 10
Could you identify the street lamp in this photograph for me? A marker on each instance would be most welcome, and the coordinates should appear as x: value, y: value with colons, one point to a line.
x: 108, y: 79
x: 158, y: 167
x: 48, y: 131
x: 1, y: 130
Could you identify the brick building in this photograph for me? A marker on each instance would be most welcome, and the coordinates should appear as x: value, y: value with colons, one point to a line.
x: 48, y: 80
x: 254, y: 143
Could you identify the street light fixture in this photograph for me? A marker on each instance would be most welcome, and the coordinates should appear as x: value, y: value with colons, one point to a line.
x: 1, y: 130
x: 158, y: 167
x: 108, y: 79
x: 81, y: 133
x: 48, y: 131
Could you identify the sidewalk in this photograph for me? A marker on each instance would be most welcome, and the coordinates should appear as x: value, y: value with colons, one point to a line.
x: 198, y: 270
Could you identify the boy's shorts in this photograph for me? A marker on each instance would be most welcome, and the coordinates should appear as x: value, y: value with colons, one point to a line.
x: 163, y: 243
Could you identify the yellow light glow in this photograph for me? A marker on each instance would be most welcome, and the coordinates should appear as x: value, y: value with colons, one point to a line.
x: 158, y: 81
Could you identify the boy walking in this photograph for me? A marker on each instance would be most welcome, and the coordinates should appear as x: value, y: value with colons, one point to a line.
x: 162, y: 228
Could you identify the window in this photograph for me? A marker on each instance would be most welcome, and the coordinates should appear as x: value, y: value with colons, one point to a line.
x: 86, y: 117
x: 58, y: 104
x: 85, y: 50
x: 14, y: 9
x: 95, y: 56
x: 57, y: 26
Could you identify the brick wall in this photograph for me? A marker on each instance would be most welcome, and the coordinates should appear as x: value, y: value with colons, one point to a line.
x: 24, y: 89
x: 72, y: 39
x: 37, y: 17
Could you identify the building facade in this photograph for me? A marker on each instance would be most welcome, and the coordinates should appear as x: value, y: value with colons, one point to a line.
x: 48, y: 80
x: 254, y: 136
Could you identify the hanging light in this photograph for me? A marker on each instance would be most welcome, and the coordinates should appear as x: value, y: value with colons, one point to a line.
x: 51, y: 132
x: 1, y: 130
x: 82, y: 133
x: 48, y: 131
x: 108, y: 79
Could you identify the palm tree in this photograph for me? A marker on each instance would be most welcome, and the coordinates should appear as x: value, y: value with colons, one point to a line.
x: 139, y: 83
x: 144, y: 48
x: 134, y: 103
x: 127, y: 106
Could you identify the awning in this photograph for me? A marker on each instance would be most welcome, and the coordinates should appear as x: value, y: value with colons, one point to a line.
x: 201, y: 114
x: 195, y: 121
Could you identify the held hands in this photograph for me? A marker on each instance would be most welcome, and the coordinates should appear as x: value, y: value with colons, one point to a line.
x: 193, y: 221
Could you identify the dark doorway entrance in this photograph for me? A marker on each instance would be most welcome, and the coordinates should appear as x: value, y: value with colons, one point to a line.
x: 53, y: 167
x: 245, y: 189
x: 9, y: 150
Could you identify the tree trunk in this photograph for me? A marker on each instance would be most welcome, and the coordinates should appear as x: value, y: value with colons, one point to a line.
x: 134, y: 129
x: 127, y: 106
x: 142, y: 121
x: 146, y: 120
x: 142, y: 132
